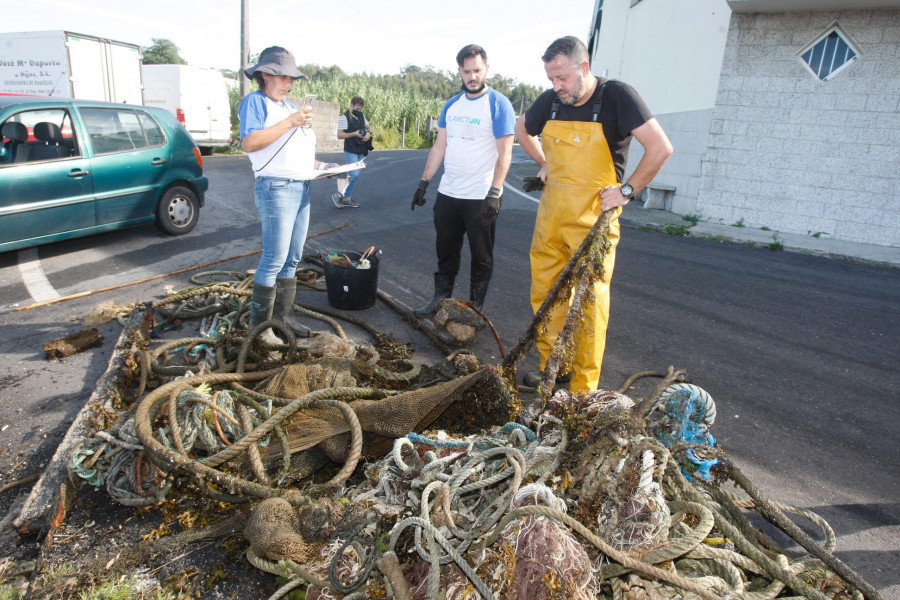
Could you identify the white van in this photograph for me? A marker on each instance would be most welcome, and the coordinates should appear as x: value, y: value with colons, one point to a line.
x: 198, y: 97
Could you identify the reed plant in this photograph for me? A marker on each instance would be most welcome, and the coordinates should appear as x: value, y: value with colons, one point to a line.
x: 395, y: 114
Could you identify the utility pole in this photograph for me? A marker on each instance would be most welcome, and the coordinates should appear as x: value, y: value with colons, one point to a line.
x: 245, y: 47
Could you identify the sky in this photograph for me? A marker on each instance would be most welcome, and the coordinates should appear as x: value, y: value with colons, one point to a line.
x: 359, y: 36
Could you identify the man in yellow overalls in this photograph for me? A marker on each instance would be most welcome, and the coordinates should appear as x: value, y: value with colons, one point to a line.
x: 586, y: 125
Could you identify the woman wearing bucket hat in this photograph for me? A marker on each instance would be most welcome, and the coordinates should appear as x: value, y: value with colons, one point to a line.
x: 281, y: 146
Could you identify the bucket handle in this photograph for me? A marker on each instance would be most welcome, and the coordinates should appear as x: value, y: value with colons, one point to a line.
x: 366, y: 254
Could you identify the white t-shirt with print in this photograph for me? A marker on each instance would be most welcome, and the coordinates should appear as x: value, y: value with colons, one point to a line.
x: 473, y: 127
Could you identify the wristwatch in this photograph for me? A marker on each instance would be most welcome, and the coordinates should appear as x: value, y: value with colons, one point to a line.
x: 627, y: 191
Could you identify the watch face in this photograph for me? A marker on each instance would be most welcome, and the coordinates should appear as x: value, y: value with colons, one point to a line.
x: 627, y: 191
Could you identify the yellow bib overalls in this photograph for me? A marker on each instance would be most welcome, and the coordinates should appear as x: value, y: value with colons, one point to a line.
x: 579, y: 165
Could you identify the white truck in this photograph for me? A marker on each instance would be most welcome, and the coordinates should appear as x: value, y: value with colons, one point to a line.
x: 70, y: 65
x: 197, y: 97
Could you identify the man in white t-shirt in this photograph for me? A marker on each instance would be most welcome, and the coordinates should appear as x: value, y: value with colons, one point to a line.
x: 474, y: 143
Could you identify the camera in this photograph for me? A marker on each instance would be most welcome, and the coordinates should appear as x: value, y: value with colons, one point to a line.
x: 363, y: 132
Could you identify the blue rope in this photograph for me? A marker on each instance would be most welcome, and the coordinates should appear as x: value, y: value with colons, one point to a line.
x: 529, y: 434
x: 685, y: 411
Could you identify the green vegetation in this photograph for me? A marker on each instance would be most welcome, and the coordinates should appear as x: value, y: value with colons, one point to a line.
x: 234, y: 102
x: 7, y: 592
x: 776, y: 245
x: 391, y: 111
x: 128, y: 587
x: 680, y: 230
x: 65, y: 581
x: 668, y: 228
x: 162, y: 52
x: 398, y: 106
x: 818, y: 234
x: 739, y: 223
x: 764, y: 228
x: 694, y: 219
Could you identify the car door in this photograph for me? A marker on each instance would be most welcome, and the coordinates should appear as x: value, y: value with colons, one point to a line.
x: 44, y: 198
x: 130, y: 160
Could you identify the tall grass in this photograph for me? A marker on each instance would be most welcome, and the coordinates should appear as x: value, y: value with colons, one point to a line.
x: 394, y: 114
x: 391, y: 112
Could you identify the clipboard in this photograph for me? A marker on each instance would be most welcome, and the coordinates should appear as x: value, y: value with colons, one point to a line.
x: 323, y: 173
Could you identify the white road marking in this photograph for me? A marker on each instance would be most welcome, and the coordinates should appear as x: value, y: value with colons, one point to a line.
x: 33, y: 276
x: 523, y: 194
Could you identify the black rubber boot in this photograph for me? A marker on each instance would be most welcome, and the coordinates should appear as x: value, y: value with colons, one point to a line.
x: 533, y: 378
x: 283, y: 310
x: 260, y: 306
x: 477, y: 293
x: 443, y: 288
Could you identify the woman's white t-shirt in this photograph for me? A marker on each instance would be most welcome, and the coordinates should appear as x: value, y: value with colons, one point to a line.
x: 293, y: 155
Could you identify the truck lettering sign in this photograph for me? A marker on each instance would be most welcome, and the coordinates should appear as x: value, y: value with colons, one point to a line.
x: 65, y: 65
x: 43, y: 63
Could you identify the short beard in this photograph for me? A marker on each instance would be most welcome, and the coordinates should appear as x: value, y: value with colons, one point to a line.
x: 576, y: 96
x: 478, y: 91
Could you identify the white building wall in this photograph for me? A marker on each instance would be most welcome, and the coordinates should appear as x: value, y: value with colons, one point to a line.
x: 792, y: 153
x: 671, y: 52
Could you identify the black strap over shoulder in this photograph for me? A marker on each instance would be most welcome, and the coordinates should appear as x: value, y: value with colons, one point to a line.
x: 595, y: 108
x: 554, y: 109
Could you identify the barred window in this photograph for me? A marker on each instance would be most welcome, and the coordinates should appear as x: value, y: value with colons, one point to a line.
x: 829, y: 53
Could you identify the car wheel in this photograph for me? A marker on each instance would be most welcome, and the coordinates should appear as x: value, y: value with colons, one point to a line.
x: 178, y: 211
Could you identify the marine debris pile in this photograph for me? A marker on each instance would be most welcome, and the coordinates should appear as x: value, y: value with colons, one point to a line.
x: 372, y: 475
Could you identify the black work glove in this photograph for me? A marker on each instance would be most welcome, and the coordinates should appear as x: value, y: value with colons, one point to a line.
x: 532, y: 184
x: 419, y: 196
x: 490, y: 206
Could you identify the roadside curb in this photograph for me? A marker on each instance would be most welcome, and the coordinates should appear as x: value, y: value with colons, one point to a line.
x: 774, y: 240
x: 635, y: 215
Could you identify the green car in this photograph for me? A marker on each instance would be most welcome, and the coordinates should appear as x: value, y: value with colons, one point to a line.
x: 70, y: 168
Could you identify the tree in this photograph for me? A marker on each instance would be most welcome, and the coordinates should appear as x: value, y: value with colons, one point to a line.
x: 163, y: 52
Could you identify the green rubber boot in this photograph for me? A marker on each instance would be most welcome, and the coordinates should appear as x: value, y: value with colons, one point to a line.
x: 260, y: 306
x: 283, y: 309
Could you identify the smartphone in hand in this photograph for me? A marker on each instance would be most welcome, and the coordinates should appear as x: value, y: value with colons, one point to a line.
x: 307, y: 102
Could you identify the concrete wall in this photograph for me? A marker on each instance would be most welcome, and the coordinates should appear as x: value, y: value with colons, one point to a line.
x: 688, y: 132
x: 325, y: 118
x: 671, y: 52
x: 798, y: 155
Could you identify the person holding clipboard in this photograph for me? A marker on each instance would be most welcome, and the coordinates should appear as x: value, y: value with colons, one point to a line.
x: 281, y: 146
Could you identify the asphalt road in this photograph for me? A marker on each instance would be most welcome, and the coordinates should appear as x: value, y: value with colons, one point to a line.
x: 799, y: 352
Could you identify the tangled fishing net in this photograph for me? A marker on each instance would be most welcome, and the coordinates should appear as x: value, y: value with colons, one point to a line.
x: 372, y: 475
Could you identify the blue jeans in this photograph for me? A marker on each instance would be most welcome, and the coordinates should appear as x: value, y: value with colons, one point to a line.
x: 354, y: 175
x: 283, y: 206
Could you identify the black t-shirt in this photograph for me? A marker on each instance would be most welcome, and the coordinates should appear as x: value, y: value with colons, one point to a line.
x: 621, y: 112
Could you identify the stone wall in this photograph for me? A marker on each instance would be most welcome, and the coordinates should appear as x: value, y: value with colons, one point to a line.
x: 799, y: 155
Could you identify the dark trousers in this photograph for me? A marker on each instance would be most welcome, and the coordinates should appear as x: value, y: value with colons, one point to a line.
x: 453, y: 219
